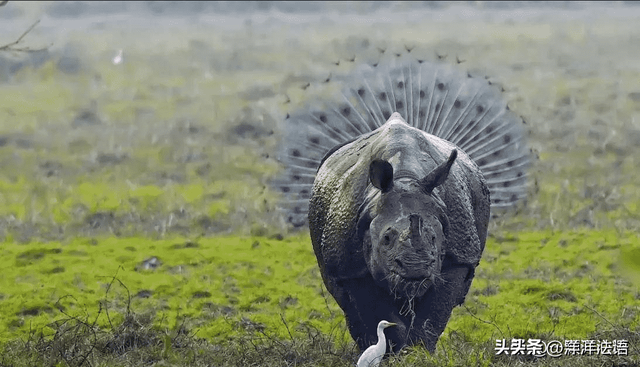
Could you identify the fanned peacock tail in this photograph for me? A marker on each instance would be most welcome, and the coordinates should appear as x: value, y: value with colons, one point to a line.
x: 436, y: 98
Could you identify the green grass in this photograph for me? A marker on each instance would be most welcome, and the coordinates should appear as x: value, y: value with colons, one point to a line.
x: 223, y: 290
x: 109, y: 167
x: 253, y: 278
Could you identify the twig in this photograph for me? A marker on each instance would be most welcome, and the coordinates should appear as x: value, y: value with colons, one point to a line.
x: 615, y: 328
x: 106, y: 294
x: 9, y: 46
x: 326, y: 302
x: 287, y: 326
x: 492, y: 323
x: 84, y: 358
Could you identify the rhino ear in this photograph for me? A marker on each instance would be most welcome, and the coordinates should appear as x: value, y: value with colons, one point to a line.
x: 381, y: 175
x: 439, y: 174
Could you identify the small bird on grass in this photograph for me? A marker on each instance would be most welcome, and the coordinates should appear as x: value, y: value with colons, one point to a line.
x: 117, y: 60
x: 373, y: 355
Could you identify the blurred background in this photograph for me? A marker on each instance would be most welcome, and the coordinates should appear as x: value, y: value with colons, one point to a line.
x: 156, y: 117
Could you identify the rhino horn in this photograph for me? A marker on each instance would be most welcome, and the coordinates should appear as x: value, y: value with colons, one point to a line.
x: 439, y: 174
x: 381, y: 175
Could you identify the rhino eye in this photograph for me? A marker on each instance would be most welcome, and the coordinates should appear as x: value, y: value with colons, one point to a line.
x: 388, y: 237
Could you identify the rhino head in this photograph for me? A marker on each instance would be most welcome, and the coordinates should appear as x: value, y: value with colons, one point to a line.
x: 404, y: 231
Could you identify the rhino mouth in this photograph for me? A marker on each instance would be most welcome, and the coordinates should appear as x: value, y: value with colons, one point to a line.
x: 409, y: 288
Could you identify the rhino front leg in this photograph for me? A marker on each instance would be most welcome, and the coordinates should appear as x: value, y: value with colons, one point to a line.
x: 365, y: 305
x: 434, y: 309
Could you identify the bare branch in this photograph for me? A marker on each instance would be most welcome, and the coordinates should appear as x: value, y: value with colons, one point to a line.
x: 10, y: 46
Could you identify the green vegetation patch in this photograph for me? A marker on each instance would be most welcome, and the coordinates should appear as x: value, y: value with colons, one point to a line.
x: 568, y: 285
x: 220, y: 285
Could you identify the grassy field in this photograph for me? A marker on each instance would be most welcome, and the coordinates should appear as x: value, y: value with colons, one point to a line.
x: 138, y: 225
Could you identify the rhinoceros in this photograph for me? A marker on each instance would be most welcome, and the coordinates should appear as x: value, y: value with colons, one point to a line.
x: 398, y: 221
x: 396, y: 178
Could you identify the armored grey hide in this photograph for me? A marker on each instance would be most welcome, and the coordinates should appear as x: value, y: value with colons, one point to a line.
x: 411, y: 269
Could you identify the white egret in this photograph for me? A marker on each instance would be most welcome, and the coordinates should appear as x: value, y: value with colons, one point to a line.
x: 117, y: 60
x: 373, y: 355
